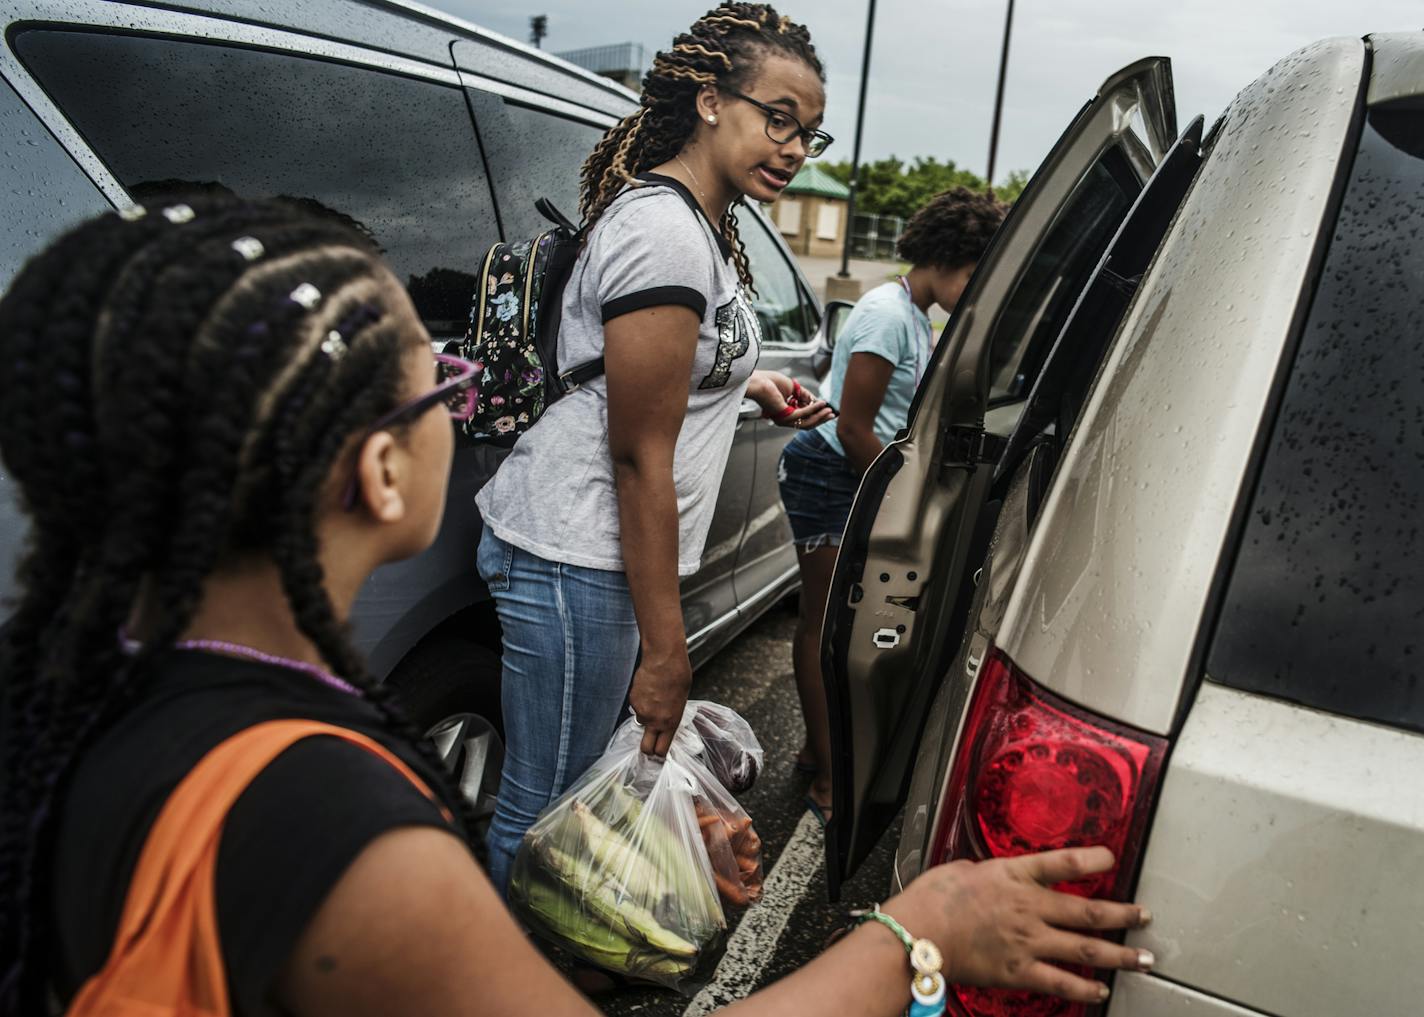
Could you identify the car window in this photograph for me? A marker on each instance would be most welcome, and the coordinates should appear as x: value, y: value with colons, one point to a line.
x: 1325, y: 604
x: 1059, y: 270
x: 532, y: 154
x: 46, y: 191
x: 778, y: 298
x: 397, y: 155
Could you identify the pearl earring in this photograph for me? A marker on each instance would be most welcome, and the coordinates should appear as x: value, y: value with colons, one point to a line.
x: 712, y: 120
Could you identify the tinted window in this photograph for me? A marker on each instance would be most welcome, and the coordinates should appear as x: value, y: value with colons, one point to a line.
x: 395, y: 154
x: 1325, y: 605
x: 532, y: 154
x: 1058, y: 272
x: 778, y: 299
x: 44, y: 194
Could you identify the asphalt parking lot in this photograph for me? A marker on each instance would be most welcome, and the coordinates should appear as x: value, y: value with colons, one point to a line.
x: 753, y: 676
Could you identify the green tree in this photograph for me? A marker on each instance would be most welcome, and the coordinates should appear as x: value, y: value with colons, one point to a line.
x: 893, y: 187
x: 1011, y: 188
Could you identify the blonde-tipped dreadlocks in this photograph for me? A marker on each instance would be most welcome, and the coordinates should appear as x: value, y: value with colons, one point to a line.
x: 724, y: 47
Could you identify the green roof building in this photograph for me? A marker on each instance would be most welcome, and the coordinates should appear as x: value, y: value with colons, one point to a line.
x: 811, y: 213
x: 814, y: 180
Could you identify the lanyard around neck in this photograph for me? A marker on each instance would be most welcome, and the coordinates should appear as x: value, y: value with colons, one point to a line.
x: 922, y: 346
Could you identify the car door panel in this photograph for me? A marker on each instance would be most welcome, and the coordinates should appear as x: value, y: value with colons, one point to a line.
x: 709, y: 596
x: 768, y: 558
x: 900, y: 593
x: 766, y: 564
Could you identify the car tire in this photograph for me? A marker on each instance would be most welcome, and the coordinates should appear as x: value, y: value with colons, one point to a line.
x: 449, y: 687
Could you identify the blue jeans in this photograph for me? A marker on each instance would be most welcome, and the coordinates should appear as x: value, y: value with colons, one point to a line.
x: 570, y: 646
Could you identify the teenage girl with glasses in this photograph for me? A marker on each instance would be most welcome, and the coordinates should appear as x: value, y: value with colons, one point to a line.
x: 222, y: 417
x: 604, y: 504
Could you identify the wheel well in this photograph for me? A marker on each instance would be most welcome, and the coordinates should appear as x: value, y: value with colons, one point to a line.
x: 477, y: 623
x: 454, y: 668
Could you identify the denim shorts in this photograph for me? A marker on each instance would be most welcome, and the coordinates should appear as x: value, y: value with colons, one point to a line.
x: 817, y: 487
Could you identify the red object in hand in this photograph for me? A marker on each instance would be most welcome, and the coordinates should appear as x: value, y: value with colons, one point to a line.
x: 780, y: 414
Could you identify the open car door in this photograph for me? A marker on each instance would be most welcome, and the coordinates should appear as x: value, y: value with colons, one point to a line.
x: 903, y: 579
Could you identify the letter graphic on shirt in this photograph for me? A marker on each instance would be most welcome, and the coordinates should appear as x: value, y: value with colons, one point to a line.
x: 736, y: 325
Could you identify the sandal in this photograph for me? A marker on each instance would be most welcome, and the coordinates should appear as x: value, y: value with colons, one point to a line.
x: 821, y: 812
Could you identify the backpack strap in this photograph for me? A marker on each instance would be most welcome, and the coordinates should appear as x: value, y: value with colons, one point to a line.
x: 166, y: 959
x: 550, y: 211
x: 581, y: 373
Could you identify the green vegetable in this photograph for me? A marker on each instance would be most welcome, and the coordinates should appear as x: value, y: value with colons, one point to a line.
x: 556, y: 916
x: 559, y: 918
x: 606, y: 877
x: 598, y: 893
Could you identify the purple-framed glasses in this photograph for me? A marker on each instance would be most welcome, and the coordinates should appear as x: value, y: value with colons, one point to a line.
x: 456, y: 385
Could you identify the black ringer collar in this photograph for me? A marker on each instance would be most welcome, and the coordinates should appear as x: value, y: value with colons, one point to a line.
x: 692, y: 203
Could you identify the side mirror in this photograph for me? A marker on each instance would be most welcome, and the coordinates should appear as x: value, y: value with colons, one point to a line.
x: 837, y: 311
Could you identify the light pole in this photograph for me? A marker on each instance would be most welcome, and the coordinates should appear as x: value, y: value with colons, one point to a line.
x: 855, y: 155
x: 999, y: 97
x: 538, y: 28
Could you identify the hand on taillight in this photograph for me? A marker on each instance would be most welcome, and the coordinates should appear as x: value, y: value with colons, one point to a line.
x: 998, y: 923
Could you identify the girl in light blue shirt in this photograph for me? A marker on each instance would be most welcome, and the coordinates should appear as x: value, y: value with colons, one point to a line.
x: 880, y: 356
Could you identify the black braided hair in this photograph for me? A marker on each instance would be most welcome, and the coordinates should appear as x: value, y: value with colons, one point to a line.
x: 724, y: 47
x: 168, y: 404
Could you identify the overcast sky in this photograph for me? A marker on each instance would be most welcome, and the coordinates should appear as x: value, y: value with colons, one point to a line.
x: 934, y: 62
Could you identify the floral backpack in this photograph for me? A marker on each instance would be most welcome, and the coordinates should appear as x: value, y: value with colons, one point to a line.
x: 514, y: 331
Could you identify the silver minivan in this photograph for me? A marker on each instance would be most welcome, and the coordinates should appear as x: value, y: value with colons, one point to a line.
x: 1147, y: 568
x: 437, y: 138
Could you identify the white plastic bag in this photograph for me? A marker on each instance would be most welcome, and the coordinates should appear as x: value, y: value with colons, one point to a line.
x: 729, y: 748
x: 630, y: 869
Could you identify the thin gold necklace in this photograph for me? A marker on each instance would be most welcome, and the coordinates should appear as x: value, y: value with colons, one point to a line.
x: 696, y: 183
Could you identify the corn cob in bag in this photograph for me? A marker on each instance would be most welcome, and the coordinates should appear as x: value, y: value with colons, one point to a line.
x: 631, y: 868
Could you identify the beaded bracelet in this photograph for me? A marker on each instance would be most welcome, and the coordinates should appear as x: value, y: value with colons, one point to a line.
x: 926, y: 984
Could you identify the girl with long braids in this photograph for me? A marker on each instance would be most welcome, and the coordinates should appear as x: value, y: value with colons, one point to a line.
x: 222, y: 417
x: 601, y: 507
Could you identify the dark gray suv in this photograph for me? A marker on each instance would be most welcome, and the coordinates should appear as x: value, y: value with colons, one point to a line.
x: 437, y: 137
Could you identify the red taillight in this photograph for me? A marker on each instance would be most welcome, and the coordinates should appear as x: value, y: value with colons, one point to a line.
x: 1034, y: 773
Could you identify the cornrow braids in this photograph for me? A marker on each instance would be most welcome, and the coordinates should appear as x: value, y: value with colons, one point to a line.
x: 724, y: 47
x: 134, y: 452
x: 45, y: 375
x: 157, y: 354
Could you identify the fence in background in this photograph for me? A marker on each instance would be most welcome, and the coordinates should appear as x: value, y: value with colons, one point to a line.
x: 875, y: 236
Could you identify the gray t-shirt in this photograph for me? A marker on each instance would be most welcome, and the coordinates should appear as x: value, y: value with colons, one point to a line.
x: 554, y: 496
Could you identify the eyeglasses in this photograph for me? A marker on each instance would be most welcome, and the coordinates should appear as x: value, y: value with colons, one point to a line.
x: 781, y: 127
x: 456, y: 385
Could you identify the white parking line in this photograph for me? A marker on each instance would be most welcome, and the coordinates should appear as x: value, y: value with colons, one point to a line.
x: 752, y: 946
